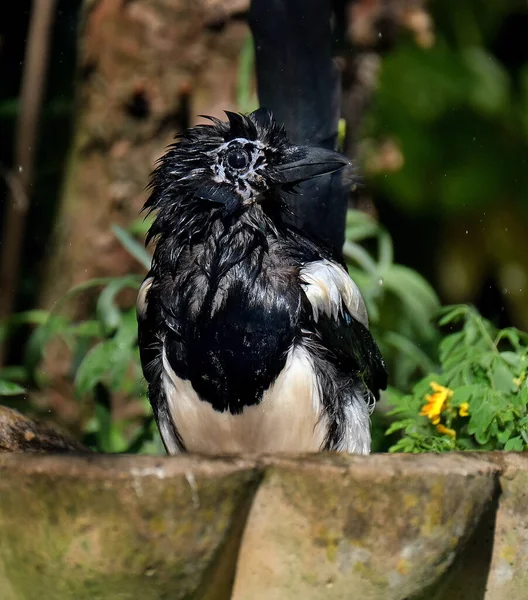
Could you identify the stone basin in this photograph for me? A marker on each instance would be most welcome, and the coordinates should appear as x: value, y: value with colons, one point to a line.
x: 76, y: 527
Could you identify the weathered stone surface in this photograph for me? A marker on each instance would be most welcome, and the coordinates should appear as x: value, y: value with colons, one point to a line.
x: 508, y: 577
x: 342, y: 527
x: 20, y: 434
x: 76, y: 528
x: 428, y: 527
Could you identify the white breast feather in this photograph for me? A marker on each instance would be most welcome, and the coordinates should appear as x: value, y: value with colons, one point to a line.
x: 328, y: 288
x: 288, y: 419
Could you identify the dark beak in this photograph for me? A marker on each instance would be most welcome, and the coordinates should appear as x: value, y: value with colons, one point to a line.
x: 305, y: 162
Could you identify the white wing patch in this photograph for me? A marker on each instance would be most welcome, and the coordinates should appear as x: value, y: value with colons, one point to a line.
x: 329, y: 287
x: 141, y: 302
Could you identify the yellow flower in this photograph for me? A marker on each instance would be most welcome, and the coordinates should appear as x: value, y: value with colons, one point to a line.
x: 463, y: 409
x: 436, y: 402
x: 446, y: 431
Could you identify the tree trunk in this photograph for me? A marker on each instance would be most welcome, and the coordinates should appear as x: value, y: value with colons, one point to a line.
x: 145, y: 69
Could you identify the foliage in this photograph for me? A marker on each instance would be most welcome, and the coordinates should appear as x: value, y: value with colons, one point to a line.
x: 479, y: 398
x: 456, y: 113
x: 10, y: 388
x: 443, y: 152
x: 105, y: 358
x: 400, y: 303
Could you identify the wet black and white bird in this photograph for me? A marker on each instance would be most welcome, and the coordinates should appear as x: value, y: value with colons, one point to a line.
x: 253, y: 337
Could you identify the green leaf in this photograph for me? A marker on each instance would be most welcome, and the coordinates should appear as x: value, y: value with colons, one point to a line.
x: 502, y: 377
x: 107, y: 309
x: 505, y: 434
x: 103, y: 417
x: 489, y: 92
x: 517, y: 338
x: 360, y: 225
x: 140, y: 227
x: 94, y: 367
x: 449, y: 344
x: 415, y: 293
x: 471, y: 332
x: 409, y: 348
x: 133, y: 247
x: 465, y: 393
x: 89, y: 329
x: 357, y: 254
x: 514, y: 359
x: 453, y: 314
x: 398, y: 425
x: 361, y: 231
x: 514, y: 444
x: 55, y: 325
x: 29, y: 317
x: 358, y: 217
x: 386, y: 252
x: 480, y: 419
x: 9, y: 388
x: 17, y: 373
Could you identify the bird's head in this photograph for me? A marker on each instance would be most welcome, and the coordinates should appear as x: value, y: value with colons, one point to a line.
x: 234, y: 164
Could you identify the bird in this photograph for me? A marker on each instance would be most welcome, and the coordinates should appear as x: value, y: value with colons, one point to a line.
x: 252, y: 336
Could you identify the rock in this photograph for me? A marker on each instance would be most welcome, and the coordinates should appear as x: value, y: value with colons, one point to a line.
x: 344, y: 527
x: 383, y: 527
x: 80, y: 528
x: 509, y: 566
x: 20, y: 434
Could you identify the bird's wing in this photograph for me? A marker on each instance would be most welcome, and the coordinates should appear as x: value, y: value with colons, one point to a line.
x: 338, y: 317
x: 150, y: 341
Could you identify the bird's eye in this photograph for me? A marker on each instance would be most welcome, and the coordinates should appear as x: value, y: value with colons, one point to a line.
x: 238, y: 159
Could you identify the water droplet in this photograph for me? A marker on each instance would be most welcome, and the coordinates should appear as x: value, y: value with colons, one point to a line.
x: 467, y: 231
x: 380, y: 35
x: 380, y: 281
x: 20, y: 168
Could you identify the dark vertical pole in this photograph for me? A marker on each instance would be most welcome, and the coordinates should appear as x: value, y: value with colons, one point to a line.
x: 299, y: 82
x: 20, y: 181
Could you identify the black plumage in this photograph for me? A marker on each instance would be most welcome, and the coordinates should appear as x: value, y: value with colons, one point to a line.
x: 246, y: 324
